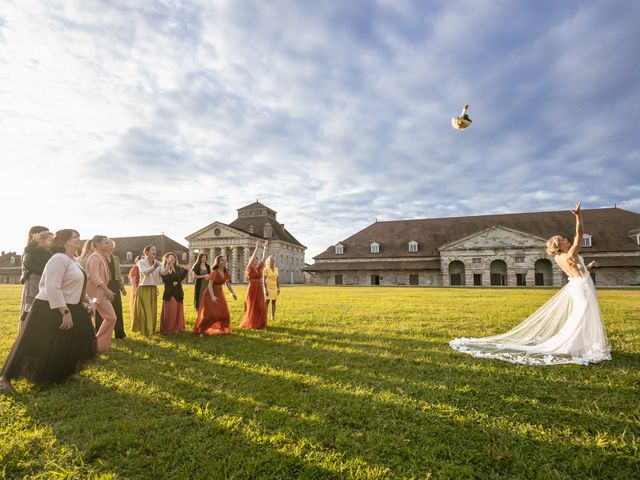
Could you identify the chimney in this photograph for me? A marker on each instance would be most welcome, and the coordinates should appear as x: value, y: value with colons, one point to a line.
x: 3, y: 253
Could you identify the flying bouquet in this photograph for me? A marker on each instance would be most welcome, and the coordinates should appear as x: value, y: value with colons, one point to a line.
x: 463, y: 121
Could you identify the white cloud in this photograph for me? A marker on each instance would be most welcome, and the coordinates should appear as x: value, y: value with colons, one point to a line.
x: 127, y: 118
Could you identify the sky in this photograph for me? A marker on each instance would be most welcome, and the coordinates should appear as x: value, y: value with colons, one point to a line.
x: 137, y: 118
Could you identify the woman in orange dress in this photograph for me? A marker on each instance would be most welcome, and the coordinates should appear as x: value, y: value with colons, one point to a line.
x: 255, y: 308
x: 213, y: 314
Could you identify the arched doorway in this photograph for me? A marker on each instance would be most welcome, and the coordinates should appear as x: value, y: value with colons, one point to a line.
x: 456, y: 273
x: 498, y: 269
x: 543, y: 273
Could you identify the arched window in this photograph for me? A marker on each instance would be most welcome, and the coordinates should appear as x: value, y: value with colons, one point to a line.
x: 267, y: 230
x: 184, y: 256
x: 543, y: 272
x: 339, y: 249
x: 12, y: 260
x: 456, y: 273
x: 375, y: 247
x: 498, y: 272
x: 413, y: 246
x: 129, y: 256
x: 586, y: 241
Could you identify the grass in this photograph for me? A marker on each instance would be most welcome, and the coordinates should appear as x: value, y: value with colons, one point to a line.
x: 347, y: 383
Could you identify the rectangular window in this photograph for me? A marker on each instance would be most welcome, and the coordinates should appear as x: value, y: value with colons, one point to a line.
x: 414, y: 279
x: 375, y: 279
x: 413, y: 247
x: 519, y: 259
x: 477, y: 279
x: 338, y: 280
x: 521, y: 279
x: 586, y: 241
x: 477, y: 260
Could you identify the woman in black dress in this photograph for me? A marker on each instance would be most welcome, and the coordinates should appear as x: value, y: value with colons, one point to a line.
x: 58, y: 334
x: 201, y: 270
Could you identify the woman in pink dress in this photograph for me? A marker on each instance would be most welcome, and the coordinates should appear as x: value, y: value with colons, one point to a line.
x: 172, y: 315
x: 213, y: 314
x: 255, y: 308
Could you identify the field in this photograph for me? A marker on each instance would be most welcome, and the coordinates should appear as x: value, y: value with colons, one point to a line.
x: 347, y: 383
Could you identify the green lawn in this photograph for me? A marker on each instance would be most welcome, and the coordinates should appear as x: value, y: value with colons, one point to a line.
x: 348, y: 383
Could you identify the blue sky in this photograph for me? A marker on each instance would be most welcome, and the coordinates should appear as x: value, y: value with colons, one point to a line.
x: 132, y: 118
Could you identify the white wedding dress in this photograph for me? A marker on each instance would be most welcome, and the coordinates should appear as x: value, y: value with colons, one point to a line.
x: 566, y: 329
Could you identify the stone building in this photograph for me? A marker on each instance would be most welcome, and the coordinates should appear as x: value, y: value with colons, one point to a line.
x: 507, y: 250
x: 127, y: 248
x: 10, y: 267
x: 237, y: 240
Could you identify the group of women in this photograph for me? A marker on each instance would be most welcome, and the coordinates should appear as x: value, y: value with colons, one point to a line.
x: 71, y: 306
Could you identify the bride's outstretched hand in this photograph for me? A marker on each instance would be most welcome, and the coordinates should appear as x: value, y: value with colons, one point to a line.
x: 577, y: 211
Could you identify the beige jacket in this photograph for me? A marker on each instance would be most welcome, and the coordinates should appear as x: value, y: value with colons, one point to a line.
x: 98, y: 274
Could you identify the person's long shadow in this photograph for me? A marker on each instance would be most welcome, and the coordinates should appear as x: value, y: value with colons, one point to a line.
x: 182, y: 405
x: 275, y: 387
x: 460, y: 380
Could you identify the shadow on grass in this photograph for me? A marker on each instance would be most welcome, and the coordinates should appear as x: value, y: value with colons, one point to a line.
x: 183, y: 405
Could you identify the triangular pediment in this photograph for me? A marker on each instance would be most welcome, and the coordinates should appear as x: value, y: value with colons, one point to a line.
x: 497, y: 236
x: 218, y: 230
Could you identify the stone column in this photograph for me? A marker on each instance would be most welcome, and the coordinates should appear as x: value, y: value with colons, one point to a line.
x: 245, y: 260
x: 234, y: 264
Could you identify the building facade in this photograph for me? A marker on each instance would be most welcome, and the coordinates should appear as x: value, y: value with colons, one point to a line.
x: 237, y: 240
x: 488, y: 250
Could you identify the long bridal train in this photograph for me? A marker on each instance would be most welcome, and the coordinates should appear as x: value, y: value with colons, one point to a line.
x: 566, y: 329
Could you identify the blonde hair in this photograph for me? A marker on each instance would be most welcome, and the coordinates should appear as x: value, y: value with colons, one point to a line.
x: 553, y: 245
x: 42, y: 235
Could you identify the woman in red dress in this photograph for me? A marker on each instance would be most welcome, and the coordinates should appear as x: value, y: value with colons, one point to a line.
x: 255, y: 309
x: 213, y: 314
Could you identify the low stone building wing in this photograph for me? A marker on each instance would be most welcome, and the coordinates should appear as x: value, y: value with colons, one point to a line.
x: 10, y: 270
x: 507, y: 249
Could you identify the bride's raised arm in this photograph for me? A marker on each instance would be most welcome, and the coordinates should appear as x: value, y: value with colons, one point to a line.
x: 577, y: 241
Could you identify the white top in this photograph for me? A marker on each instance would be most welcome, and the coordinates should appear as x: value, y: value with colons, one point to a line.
x: 61, y: 282
x: 149, y: 273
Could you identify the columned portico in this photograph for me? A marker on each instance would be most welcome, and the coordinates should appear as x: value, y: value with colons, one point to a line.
x: 237, y: 240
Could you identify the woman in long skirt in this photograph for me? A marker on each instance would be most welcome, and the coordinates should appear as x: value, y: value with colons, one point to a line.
x: 58, y: 334
x: 145, y: 318
x: 566, y: 329
x: 200, y: 271
x: 213, y: 315
x: 134, y: 277
x: 172, y: 315
x: 255, y: 308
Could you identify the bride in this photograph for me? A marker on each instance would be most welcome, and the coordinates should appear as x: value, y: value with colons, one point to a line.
x: 566, y: 329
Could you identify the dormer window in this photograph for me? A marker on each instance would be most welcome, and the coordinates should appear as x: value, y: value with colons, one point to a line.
x: 12, y: 260
x: 375, y: 247
x: 267, y: 230
x: 586, y: 240
x: 339, y: 249
x: 251, y: 228
x: 129, y: 256
x: 413, y: 246
x: 638, y: 239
